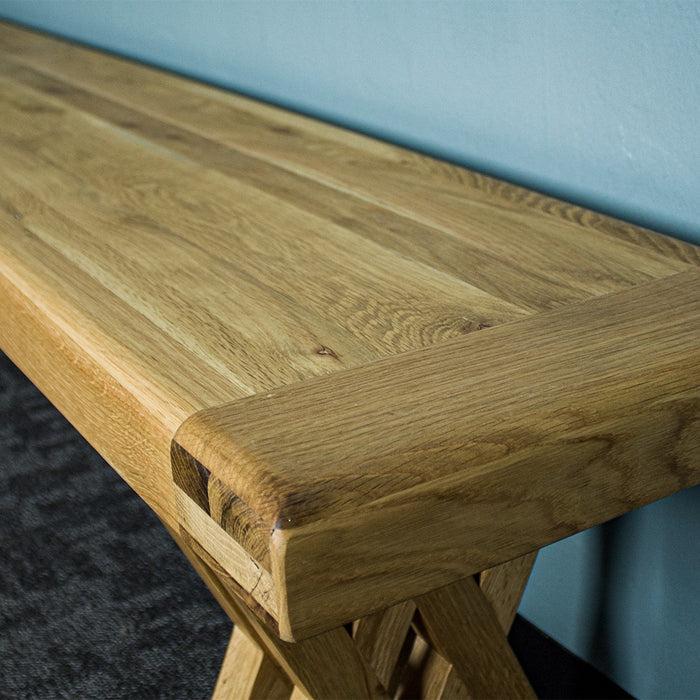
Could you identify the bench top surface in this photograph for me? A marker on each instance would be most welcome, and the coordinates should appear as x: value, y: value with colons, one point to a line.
x: 300, y: 304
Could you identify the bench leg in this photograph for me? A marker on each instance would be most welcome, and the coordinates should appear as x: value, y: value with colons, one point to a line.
x: 462, y: 627
x: 431, y: 675
x: 444, y: 645
x: 504, y: 585
x: 248, y: 673
x: 326, y: 666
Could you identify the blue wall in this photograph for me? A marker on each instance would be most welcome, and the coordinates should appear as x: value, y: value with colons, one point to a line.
x: 594, y: 101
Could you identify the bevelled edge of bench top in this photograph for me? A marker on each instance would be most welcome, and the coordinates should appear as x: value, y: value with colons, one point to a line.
x: 348, y: 493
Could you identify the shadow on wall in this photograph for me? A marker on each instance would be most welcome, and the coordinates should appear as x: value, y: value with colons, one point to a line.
x: 645, y: 567
x: 614, y: 540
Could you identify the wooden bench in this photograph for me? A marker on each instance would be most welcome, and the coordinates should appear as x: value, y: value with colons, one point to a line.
x: 359, y: 386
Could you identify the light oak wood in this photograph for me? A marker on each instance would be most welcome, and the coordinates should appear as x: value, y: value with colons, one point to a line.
x: 503, y: 587
x: 326, y: 666
x: 220, y: 587
x: 465, y: 631
x: 248, y: 673
x: 88, y: 116
x: 545, y: 426
x: 228, y: 554
x: 509, y: 278
x: 399, y: 177
x: 382, y: 373
x: 382, y: 637
x: 429, y: 674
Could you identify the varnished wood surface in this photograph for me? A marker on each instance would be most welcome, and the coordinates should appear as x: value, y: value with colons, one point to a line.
x: 464, y: 630
x: 384, y: 649
x: 421, y: 469
x: 171, y: 254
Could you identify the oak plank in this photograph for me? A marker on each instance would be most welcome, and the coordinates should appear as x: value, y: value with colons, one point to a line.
x: 228, y: 554
x: 440, y: 681
x: 422, y: 404
x: 168, y: 249
x: 440, y: 193
x: 279, y: 282
x: 328, y: 665
x: 325, y: 666
x: 134, y: 437
x: 219, y: 586
x: 547, y: 426
x: 68, y: 174
x: 130, y: 294
x: 430, y: 675
x: 516, y: 278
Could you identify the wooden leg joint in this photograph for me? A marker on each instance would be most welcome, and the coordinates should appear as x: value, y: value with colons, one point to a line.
x: 448, y: 644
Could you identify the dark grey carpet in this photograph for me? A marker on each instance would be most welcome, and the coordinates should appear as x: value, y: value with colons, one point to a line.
x: 96, y: 601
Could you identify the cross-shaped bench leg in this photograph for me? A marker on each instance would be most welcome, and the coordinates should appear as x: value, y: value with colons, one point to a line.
x: 449, y: 643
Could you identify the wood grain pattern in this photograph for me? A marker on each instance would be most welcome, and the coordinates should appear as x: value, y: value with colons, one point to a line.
x: 545, y: 426
x: 440, y: 681
x: 464, y: 629
x: 263, y: 300
x: 385, y: 372
x: 381, y: 638
x: 431, y: 675
x: 551, y: 376
x: 503, y: 587
x: 399, y: 178
x: 459, y: 258
x: 220, y: 588
x: 133, y: 436
x: 326, y: 666
x: 228, y: 553
x: 247, y: 673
